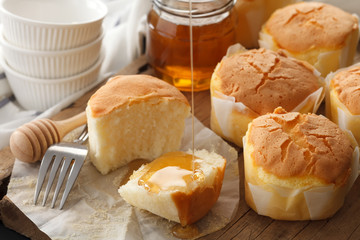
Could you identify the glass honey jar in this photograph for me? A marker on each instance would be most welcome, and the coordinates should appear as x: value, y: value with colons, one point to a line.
x: 168, y: 39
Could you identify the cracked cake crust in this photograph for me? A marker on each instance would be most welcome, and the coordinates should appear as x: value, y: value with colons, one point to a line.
x: 301, y: 145
x: 263, y: 80
x: 307, y: 25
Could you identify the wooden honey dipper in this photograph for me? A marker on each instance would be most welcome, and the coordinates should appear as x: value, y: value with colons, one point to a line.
x: 29, y: 142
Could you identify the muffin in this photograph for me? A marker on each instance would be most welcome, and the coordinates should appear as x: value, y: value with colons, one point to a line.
x: 319, y: 33
x: 134, y: 116
x: 252, y: 14
x: 247, y: 84
x: 178, y: 186
x: 343, y: 98
x: 298, y: 166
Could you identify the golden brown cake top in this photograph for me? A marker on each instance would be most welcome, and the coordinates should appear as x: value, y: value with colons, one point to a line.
x: 129, y: 89
x: 305, y: 25
x: 263, y: 80
x: 347, y: 86
x: 296, y: 145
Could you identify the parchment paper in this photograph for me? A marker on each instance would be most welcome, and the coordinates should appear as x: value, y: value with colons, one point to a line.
x: 94, y: 209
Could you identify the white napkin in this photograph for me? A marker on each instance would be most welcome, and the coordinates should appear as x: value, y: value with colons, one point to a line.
x: 124, y: 29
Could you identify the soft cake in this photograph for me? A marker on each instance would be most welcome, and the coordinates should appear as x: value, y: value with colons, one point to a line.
x: 178, y: 186
x: 134, y: 116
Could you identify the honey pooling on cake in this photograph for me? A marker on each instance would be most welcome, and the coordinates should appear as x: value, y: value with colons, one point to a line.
x: 172, y: 171
x: 179, y: 186
x: 180, y: 174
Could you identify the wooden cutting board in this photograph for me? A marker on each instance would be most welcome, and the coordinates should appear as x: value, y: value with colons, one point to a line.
x: 246, y: 224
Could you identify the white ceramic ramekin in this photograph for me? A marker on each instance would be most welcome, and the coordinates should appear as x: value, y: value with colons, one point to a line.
x: 41, y: 94
x: 51, y: 64
x: 51, y: 24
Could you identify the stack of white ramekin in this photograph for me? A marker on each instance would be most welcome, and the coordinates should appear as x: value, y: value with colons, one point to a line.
x: 50, y: 48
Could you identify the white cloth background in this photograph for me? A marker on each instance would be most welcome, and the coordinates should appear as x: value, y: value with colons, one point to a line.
x: 124, y: 27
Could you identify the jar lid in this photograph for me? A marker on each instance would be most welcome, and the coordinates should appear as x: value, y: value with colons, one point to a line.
x: 199, y: 8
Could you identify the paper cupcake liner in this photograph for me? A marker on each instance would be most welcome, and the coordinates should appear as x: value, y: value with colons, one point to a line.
x: 337, y: 111
x: 226, y: 112
x: 310, y: 203
x: 225, y: 109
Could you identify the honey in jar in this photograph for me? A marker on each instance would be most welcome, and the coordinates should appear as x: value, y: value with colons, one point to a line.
x: 168, y: 39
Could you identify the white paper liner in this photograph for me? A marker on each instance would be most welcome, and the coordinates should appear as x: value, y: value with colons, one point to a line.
x: 224, y: 107
x: 319, y: 200
x: 342, y: 115
x: 267, y: 41
x: 316, y: 97
x: 235, y: 48
x: 95, y: 210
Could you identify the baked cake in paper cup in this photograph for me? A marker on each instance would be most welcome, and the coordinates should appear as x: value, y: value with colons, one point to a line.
x: 343, y: 98
x: 319, y: 33
x: 248, y: 84
x: 298, y: 166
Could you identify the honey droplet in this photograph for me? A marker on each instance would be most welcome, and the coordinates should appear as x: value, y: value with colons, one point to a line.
x: 185, y: 232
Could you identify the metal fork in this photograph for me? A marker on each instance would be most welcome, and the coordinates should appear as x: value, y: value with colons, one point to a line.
x: 73, y: 154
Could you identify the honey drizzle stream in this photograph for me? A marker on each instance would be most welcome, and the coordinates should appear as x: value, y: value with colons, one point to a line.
x: 190, y: 231
x: 192, y: 78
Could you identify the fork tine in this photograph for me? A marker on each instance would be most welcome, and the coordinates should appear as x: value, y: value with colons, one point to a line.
x: 71, y: 179
x: 62, y: 175
x: 70, y: 154
x: 54, y: 169
x: 45, y: 163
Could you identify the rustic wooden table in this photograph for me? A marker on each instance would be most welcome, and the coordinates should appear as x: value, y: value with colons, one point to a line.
x: 246, y: 224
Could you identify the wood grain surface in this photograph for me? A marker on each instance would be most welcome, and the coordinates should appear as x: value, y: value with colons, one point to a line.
x: 246, y: 224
